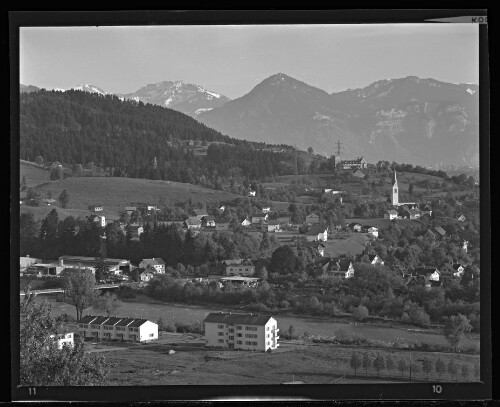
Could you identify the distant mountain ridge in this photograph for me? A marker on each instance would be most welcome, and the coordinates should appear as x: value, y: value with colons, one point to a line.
x: 187, y: 98
x: 414, y: 120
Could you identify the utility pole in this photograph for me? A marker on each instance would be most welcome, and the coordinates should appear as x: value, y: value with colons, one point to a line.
x: 409, y: 348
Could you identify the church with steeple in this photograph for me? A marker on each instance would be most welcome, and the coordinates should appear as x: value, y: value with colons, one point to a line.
x: 395, y: 195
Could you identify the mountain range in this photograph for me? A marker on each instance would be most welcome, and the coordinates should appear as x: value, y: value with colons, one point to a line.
x: 411, y: 120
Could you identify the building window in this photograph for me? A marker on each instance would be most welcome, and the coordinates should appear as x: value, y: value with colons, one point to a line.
x: 267, y: 329
x: 221, y: 341
x: 247, y: 343
x: 150, y: 335
x: 239, y: 327
x: 239, y: 342
x: 220, y: 326
x: 239, y: 335
x: 231, y: 330
x: 231, y: 338
x: 220, y: 333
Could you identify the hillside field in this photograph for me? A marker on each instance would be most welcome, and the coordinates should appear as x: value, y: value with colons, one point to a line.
x: 116, y: 193
x: 40, y: 212
x: 33, y: 174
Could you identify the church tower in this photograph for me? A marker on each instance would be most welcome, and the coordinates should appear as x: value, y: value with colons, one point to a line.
x: 395, y: 194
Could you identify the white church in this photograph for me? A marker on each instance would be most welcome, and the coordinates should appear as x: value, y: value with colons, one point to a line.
x: 398, y: 207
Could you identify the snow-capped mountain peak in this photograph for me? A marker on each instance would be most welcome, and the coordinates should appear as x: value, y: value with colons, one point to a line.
x: 89, y: 88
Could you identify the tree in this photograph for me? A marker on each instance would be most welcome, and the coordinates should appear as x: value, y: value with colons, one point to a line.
x: 42, y: 363
x: 440, y: 367
x: 379, y: 363
x: 465, y: 371
x: 107, y: 302
x: 402, y: 366
x: 101, y: 270
x: 455, y: 328
x: 33, y: 198
x: 356, y: 361
x: 24, y: 184
x: 291, y: 331
x: 310, y: 150
x: 39, y: 160
x: 64, y: 199
x: 360, y: 312
x: 367, y: 362
x: 79, y: 287
x: 427, y: 366
x: 389, y: 362
x: 452, y: 368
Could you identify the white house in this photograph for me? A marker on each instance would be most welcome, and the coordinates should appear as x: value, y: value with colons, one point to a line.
x: 241, y: 331
x: 155, y: 263
x: 431, y: 273
x: 458, y: 269
x: 101, y: 220
x: 317, y: 232
x: 25, y: 262
x: 273, y: 226
x: 391, y: 214
x: 239, y: 267
x: 96, y: 208
x: 372, y: 230
x: 359, y: 162
x: 375, y: 260
x: 264, y: 209
x: 64, y: 339
x: 355, y: 227
x: 193, y: 223
x: 115, y: 266
x: 116, y: 328
x: 342, y: 268
x: 246, y: 222
x: 208, y: 221
x: 251, y: 193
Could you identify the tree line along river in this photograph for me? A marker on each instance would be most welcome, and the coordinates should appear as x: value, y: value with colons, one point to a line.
x: 317, y: 326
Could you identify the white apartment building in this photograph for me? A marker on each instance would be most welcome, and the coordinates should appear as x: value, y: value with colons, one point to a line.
x: 241, y: 331
x: 115, y: 328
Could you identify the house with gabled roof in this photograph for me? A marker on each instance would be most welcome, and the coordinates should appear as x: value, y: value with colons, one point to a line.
x: 246, y: 222
x: 117, y: 328
x: 372, y: 230
x: 192, y: 223
x: 241, y: 331
x: 199, y: 213
x: 341, y: 267
x: 272, y: 226
x: 156, y: 263
x: 96, y: 208
x: 317, y: 246
x: 208, y: 221
x: 355, y: 227
x: 461, y: 217
x: 440, y: 231
x: 391, y: 214
x: 432, y: 273
x: 239, y: 267
x: 264, y: 208
x: 375, y: 260
x: 458, y: 269
x: 317, y: 232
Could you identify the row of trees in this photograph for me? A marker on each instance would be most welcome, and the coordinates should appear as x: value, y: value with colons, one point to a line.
x: 427, y: 365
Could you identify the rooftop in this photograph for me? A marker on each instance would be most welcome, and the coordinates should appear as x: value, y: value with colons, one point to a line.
x: 243, y: 319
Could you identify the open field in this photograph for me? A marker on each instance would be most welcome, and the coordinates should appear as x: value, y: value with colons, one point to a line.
x: 40, y: 212
x: 33, y: 174
x: 353, y: 245
x: 193, y: 364
x: 116, y: 193
x: 384, y: 333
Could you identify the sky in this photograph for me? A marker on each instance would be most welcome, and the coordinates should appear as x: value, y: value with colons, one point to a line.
x: 231, y: 59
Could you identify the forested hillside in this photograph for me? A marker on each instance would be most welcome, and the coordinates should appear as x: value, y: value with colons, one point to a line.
x: 132, y: 139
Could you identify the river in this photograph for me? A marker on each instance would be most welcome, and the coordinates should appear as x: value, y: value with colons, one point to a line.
x: 189, y: 314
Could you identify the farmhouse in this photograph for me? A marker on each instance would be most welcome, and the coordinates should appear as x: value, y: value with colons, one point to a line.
x: 431, y: 273
x: 208, y: 221
x: 246, y: 222
x: 375, y: 260
x: 115, y: 328
x: 259, y: 217
x: 100, y: 220
x: 199, y: 213
x: 239, y: 267
x: 241, y: 331
x: 359, y: 162
x: 146, y: 275
x: 355, y: 227
x: 372, y: 230
x: 391, y: 214
x: 156, y: 263
x: 312, y: 219
x: 193, y: 223
x: 317, y: 232
x: 273, y: 226
x: 96, y: 208
x: 458, y: 269
x: 341, y: 267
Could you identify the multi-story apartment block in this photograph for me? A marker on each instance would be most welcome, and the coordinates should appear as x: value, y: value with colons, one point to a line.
x: 123, y: 329
x: 241, y: 331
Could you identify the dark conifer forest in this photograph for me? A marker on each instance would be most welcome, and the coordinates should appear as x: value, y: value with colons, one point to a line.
x: 124, y: 137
